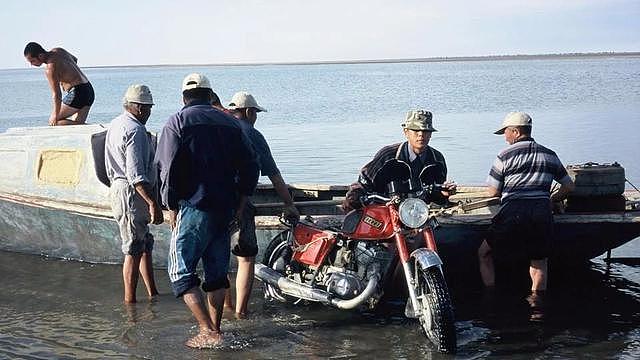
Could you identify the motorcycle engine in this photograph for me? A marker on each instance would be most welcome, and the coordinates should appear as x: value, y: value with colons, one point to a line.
x: 370, y: 256
x: 345, y: 285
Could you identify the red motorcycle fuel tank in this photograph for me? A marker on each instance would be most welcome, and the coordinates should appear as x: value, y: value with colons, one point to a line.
x: 374, y: 224
x: 311, y: 245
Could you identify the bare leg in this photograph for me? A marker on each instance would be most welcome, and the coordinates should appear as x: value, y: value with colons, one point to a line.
x: 487, y: 271
x: 207, y: 336
x: 215, y: 300
x: 67, y: 111
x: 146, y: 270
x: 130, y: 274
x: 228, y: 301
x: 538, y: 273
x: 244, y: 283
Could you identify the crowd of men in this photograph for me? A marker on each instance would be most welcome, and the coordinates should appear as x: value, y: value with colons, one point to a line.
x: 210, y: 158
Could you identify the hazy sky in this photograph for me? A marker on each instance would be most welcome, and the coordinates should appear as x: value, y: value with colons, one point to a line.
x: 115, y: 32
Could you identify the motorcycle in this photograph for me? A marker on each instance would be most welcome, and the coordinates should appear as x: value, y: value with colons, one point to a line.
x: 348, y: 267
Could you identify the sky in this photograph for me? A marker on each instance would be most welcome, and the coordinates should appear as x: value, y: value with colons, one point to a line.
x: 139, y: 32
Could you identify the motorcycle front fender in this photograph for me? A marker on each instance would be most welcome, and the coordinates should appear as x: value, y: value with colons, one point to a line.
x: 426, y: 258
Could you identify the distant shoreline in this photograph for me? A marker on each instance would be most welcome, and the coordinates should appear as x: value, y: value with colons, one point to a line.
x: 392, y: 61
x: 407, y: 60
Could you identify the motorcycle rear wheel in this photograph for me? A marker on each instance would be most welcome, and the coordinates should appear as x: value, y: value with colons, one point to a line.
x: 277, y: 256
x: 436, y: 320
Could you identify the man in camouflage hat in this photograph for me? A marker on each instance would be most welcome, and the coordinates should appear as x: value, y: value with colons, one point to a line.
x: 416, y: 152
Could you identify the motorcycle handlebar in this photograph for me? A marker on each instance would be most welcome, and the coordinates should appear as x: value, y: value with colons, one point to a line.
x: 369, y: 197
x: 426, y: 189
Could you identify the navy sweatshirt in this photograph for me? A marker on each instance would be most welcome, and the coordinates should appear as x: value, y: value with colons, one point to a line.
x: 205, y: 158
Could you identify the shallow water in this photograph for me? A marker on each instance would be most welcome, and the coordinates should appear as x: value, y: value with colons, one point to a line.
x: 59, y: 309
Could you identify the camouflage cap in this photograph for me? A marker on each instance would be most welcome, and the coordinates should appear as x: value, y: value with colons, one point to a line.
x: 419, y: 120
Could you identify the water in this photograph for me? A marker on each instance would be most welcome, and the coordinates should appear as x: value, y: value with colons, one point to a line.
x: 75, y: 311
x: 324, y: 122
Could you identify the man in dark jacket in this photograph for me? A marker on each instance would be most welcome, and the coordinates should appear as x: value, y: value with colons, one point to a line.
x: 205, y: 163
x: 416, y: 152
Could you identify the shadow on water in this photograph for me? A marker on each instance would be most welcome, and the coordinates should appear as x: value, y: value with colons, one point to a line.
x: 58, y: 309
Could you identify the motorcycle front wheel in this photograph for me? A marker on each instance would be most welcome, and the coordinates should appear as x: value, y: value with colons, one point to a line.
x: 436, y: 318
x: 277, y: 256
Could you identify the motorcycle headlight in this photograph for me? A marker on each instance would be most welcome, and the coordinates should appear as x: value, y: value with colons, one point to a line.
x: 413, y: 212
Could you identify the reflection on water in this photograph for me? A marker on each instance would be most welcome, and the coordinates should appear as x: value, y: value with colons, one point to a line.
x: 58, y: 309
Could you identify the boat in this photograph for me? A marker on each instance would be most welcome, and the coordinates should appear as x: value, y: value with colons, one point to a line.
x: 52, y: 203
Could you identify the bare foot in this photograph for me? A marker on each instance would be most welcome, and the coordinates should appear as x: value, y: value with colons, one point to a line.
x: 205, y: 339
x: 240, y: 316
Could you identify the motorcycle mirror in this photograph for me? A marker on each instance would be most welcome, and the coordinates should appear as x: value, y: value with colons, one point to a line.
x: 429, y: 174
x: 392, y: 170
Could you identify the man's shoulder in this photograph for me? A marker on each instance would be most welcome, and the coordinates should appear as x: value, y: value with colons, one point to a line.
x: 59, y: 55
x: 125, y: 123
x: 203, y: 111
x: 437, y: 154
x: 526, y: 146
x: 200, y: 120
x: 544, y: 149
x: 513, y: 148
x: 255, y: 133
x: 388, y: 150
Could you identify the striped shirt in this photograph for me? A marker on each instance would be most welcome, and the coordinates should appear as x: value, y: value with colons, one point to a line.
x: 525, y: 170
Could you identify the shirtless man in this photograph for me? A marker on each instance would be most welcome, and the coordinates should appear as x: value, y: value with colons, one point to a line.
x: 62, y: 71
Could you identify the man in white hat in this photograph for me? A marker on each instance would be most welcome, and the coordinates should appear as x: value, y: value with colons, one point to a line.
x: 208, y: 170
x: 244, y: 242
x: 521, y: 176
x: 132, y: 174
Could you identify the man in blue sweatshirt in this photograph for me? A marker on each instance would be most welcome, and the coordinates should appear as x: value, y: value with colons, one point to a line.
x: 207, y: 171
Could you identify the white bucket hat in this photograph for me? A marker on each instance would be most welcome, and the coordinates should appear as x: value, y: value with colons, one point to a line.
x: 138, y: 94
x: 195, y: 81
x: 514, y: 118
x: 243, y: 100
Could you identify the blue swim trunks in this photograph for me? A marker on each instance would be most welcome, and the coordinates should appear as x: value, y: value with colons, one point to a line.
x: 80, y: 96
x: 199, y: 235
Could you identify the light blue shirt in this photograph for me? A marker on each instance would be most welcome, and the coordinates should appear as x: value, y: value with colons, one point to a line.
x: 128, y: 151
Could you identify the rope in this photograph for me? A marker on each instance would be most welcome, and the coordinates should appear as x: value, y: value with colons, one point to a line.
x: 633, y: 186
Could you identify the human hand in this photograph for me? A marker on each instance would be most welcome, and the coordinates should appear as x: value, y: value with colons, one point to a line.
x: 353, y: 199
x: 449, y: 187
x: 290, y: 212
x: 53, y: 120
x: 156, y: 214
x: 558, y: 207
x: 173, y: 215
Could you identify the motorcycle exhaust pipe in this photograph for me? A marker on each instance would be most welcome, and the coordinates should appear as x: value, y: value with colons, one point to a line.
x: 368, y: 291
x: 274, y: 278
